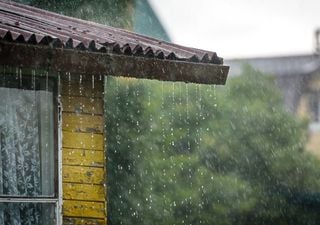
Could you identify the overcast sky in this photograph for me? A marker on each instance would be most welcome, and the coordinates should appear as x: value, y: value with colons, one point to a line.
x: 242, y: 28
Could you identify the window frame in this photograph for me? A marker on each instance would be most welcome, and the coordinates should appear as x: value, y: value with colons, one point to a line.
x: 56, y: 199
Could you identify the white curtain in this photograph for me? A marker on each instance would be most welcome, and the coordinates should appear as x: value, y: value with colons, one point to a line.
x: 26, y: 154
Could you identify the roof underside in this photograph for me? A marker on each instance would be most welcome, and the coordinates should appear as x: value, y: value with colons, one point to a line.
x: 27, y: 29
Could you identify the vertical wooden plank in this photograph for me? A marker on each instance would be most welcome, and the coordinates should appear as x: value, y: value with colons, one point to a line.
x: 84, y: 165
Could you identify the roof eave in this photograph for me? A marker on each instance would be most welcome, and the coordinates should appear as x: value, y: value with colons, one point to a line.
x: 95, y: 63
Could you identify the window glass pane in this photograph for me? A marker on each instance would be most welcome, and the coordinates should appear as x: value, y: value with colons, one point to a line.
x: 26, y: 136
x: 27, y: 214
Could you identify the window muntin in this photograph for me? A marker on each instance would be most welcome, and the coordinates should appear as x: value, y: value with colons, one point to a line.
x: 28, y: 170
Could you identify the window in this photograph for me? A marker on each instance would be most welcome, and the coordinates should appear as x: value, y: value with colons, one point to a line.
x: 28, y: 170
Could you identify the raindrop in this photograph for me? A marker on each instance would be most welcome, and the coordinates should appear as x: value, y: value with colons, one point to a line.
x: 187, y: 119
x: 33, y: 79
x: 162, y: 116
x: 172, y: 115
x: 92, y: 82
x: 150, y: 111
x: 20, y: 77
x: 214, y: 96
x: 69, y: 90
x: 117, y: 111
x: 17, y: 73
x: 80, y: 85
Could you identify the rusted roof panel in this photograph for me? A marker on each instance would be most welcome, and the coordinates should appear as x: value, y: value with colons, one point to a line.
x: 26, y: 24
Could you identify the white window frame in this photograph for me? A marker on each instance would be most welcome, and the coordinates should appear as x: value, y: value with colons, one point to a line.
x: 57, y: 200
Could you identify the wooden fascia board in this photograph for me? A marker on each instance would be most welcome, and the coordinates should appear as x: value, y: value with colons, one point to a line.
x: 95, y: 63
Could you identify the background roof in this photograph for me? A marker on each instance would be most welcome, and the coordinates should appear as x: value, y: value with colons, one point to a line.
x: 278, y: 66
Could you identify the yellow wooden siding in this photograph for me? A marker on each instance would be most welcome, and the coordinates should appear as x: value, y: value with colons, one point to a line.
x: 87, y: 192
x: 86, y: 89
x: 83, y: 174
x: 82, y: 123
x: 82, y: 221
x: 82, y: 140
x: 85, y: 105
x: 87, y: 209
x: 83, y: 153
x: 83, y: 157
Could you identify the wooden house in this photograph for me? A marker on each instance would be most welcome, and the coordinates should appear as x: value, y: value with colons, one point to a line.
x: 298, y: 78
x: 52, y: 136
x: 146, y: 21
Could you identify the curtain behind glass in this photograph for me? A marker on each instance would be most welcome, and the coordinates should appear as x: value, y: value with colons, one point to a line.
x: 26, y: 151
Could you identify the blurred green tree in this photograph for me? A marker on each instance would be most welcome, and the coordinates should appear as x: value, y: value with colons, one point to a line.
x: 125, y: 125
x: 208, y: 155
x: 264, y: 145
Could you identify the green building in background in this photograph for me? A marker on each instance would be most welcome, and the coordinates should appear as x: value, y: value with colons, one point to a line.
x: 145, y: 21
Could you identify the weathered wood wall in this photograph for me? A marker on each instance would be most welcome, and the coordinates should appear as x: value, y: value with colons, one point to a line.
x: 83, y: 152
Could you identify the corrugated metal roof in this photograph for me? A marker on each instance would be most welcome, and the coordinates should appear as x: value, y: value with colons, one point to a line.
x: 26, y: 24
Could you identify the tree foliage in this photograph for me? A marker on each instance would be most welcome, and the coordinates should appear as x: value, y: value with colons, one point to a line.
x: 194, y: 154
